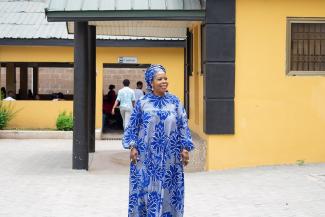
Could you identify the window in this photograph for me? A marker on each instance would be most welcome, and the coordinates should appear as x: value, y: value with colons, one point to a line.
x: 305, y: 46
x: 41, y: 80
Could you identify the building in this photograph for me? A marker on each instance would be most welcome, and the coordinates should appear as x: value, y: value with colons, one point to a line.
x: 31, y: 43
x: 253, y: 86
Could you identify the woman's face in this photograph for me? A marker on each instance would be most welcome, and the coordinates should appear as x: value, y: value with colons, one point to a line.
x: 160, y: 83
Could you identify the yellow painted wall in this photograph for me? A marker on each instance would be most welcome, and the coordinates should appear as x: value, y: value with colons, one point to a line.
x: 278, y: 119
x: 37, y: 114
x: 171, y: 58
x: 196, y: 89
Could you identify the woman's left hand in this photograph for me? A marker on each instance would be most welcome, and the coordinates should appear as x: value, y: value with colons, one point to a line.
x: 185, y: 157
x: 134, y: 155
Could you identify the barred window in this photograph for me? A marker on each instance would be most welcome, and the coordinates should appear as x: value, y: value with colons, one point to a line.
x: 306, y: 46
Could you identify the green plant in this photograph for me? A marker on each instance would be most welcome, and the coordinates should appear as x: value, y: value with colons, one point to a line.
x: 64, y: 121
x: 7, y: 112
x: 300, y: 162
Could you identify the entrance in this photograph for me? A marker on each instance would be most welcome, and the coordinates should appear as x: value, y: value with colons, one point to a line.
x: 113, y: 76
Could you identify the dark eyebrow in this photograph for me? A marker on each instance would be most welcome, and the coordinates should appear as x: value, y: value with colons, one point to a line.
x: 161, y: 77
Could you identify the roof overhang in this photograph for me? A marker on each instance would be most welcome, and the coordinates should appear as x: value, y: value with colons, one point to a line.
x: 167, y: 15
x: 144, y: 18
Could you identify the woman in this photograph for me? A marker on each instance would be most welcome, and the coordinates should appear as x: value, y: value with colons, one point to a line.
x: 159, y: 141
x: 109, y: 100
x: 108, y: 103
x: 111, y: 95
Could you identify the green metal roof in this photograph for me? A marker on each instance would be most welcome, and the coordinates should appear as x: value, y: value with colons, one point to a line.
x: 94, y: 10
x: 104, y: 5
x: 25, y: 19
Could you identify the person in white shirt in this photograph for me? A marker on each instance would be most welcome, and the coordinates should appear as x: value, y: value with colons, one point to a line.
x: 138, y: 91
x: 10, y: 96
x: 126, y: 99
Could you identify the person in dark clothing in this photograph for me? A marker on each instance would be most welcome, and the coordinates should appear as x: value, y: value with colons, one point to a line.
x: 108, y: 103
x: 30, y: 94
x: 3, y: 93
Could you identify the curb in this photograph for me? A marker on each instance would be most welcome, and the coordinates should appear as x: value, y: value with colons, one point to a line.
x: 41, y: 134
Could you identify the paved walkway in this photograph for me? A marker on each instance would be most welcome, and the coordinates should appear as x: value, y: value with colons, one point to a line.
x: 36, y: 180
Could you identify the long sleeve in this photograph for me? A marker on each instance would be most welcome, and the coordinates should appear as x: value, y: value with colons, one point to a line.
x: 131, y: 132
x: 183, y: 129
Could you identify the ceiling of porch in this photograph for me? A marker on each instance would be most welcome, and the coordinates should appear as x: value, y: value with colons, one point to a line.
x: 140, y: 28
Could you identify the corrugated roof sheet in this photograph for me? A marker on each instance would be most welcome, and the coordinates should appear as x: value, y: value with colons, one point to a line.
x: 26, y: 20
x: 102, y: 5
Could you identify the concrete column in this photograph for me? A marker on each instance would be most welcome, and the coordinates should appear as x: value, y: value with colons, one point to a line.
x: 35, y: 80
x: 188, y: 71
x: 92, y: 86
x: 11, y: 78
x: 80, y: 99
x: 23, y: 82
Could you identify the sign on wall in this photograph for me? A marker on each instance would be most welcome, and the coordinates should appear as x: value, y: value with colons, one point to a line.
x: 131, y: 60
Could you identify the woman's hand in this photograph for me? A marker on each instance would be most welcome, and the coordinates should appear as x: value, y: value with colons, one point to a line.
x: 185, y: 157
x: 134, y: 155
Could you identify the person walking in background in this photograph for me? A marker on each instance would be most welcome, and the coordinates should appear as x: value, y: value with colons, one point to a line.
x: 110, y: 98
x: 126, y: 99
x: 138, y: 92
x: 108, y: 103
x: 159, y: 141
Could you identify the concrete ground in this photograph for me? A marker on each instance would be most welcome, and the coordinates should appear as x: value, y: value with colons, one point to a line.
x: 36, y: 180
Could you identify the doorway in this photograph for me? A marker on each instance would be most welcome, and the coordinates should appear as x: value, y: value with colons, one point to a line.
x: 113, y: 76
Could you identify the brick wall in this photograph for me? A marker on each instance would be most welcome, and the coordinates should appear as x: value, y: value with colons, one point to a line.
x: 53, y: 80
x: 3, y: 78
x: 117, y: 75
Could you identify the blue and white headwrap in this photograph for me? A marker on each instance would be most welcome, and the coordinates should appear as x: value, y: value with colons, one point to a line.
x: 150, y: 73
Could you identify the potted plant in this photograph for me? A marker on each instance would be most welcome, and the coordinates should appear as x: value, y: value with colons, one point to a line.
x: 7, y: 113
x: 64, y: 121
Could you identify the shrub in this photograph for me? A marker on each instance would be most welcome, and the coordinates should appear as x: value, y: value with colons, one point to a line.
x: 64, y: 121
x: 7, y: 113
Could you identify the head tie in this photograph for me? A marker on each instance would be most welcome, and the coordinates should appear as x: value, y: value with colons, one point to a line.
x: 150, y: 73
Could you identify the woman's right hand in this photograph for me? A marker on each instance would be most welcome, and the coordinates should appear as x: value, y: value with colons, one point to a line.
x: 134, y: 155
x: 185, y: 157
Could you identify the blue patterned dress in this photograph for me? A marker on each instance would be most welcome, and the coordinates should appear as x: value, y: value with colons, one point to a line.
x: 158, y: 129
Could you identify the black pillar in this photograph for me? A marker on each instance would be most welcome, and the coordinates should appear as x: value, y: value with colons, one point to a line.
x: 80, y: 98
x: 23, y: 82
x: 35, y: 81
x: 188, y: 70
x: 11, y: 78
x: 92, y: 86
x: 218, y: 53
